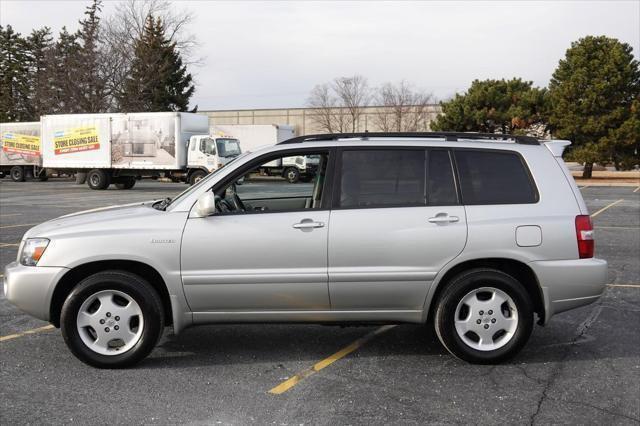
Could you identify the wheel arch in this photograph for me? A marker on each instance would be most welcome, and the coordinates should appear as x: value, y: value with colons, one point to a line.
x: 517, y: 269
x: 75, y: 275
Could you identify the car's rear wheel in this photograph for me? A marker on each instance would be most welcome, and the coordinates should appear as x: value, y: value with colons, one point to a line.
x: 484, y: 316
x: 112, y: 319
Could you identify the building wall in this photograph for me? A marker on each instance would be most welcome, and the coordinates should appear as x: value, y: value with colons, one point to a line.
x: 304, y: 119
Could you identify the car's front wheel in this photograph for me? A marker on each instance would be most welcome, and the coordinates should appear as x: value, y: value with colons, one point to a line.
x: 112, y: 319
x: 484, y: 316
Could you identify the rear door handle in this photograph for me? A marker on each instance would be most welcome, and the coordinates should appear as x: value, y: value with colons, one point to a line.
x: 308, y: 224
x: 444, y: 218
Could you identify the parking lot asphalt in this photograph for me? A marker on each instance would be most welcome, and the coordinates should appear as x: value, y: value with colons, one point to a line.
x: 582, y: 368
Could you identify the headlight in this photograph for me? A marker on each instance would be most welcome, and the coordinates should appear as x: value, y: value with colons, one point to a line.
x: 32, y: 251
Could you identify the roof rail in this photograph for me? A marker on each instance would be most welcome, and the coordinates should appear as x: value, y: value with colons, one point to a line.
x: 448, y: 136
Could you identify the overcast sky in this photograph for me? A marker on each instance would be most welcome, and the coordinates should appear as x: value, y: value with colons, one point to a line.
x: 271, y: 54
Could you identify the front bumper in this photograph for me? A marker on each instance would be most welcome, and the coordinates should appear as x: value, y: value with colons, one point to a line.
x: 569, y: 284
x: 30, y: 288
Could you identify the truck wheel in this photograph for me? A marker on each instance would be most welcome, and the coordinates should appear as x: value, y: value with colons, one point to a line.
x: 2, y: 175
x: 98, y: 179
x: 484, y: 316
x: 81, y: 178
x: 112, y: 319
x: 291, y: 174
x: 196, y: 177
x: 128, y: 183
x: 17, y: 174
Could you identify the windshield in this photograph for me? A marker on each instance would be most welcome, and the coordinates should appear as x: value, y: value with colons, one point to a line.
x: 228, y: 147
x: 201, y: 182
x: 208, y: 146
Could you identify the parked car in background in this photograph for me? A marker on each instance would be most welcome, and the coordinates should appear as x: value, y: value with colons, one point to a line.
x: 479, y: 233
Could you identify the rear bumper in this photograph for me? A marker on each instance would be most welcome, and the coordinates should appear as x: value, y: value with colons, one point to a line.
x: 569, y: 284
x: 30, y: 288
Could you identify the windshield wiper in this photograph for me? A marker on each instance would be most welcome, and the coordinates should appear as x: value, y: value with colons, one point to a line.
x: 163, y: 204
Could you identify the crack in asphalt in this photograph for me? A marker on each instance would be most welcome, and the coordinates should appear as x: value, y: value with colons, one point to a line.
x: 581, y: 330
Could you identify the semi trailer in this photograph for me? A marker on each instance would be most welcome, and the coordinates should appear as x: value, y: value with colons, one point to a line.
x: 20, y: 153
x: 254, y: 136
x: 120, y: 148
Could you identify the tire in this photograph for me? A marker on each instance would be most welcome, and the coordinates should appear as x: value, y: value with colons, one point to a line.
x: 507, y: 330
x: 2, y: 175
x: 17, y: 174
x: 196, y: 176
x: 113, y: 286
x: 81, y: 178
x: 98, y: 179
x: 127, y: 183
x: 291, y: 174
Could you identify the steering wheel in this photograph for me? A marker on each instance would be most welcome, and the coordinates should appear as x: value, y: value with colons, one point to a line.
x: 236, y: 202
x: 223, y: 205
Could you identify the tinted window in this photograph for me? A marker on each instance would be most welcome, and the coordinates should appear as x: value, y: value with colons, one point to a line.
x: 442, y: 186
x: 378, y: 178
x: 490, y: 177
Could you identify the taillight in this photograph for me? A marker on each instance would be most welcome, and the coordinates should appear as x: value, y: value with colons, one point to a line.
x: 584, y: 232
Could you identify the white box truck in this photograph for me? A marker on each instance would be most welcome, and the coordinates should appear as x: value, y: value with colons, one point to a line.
x: 120, y: 148
x: 255, y: 136
x: 20, y: 153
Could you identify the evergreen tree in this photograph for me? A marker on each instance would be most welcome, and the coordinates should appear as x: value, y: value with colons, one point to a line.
x: 90, y: 76
x: 594, y: 97
x: 63, y: 70
x: 39, y: 45
x: 494, y: 106
x: 14, y: 84
x: 158, y: 80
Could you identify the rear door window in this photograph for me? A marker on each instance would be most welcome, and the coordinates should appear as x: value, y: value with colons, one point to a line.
x: 382, y: 178
x: 494, y: 177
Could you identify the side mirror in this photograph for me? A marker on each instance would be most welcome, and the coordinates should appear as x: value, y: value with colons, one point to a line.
x: 206, y: 205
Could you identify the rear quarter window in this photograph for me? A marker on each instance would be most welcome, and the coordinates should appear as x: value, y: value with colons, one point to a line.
x: 494, y: 177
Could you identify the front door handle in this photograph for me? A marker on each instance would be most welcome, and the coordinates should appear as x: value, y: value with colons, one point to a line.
x: 308, y: 224
x: 444, y: 218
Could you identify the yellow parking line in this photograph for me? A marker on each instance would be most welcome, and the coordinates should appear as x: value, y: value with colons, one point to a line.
x: 17, y: 226
x: 583, y: 187
x: 291, y: 382
x: 9, y: 245
x: 24, y: 333
x: 637, y: 189
x: 10, y: 214
x: 624, y: 285
x: 606, y: 207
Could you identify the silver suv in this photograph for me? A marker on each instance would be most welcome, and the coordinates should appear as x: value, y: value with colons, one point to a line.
x: 477, y: 234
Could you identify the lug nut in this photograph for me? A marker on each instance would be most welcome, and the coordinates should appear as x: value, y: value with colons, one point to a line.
x: 108, y: 314
x: 116, y: 328
x: 106, y: 329
x: 117, y: 318
x: 490, y: 312
x: 481, y: 312
x: 486, y: 326
x: 101, y: 321
x: 493, y: 320
x: 478, y: 321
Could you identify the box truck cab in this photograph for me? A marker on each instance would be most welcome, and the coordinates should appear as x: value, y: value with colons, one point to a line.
x: 210, y: 152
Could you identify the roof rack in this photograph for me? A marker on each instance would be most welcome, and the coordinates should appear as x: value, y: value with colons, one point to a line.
x: 448, y: 136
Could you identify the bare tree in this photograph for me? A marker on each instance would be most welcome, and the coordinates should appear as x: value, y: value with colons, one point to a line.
x: 402, y: 108
x: 338, y: 105
x: 126, y: 25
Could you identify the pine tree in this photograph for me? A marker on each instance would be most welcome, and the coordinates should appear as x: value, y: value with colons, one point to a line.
x: 39, y: 46
x: 14, y: 84
x: 158, y: 80
x: 63, y: 70
x: 594, y: 98
x: 90, y: 77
